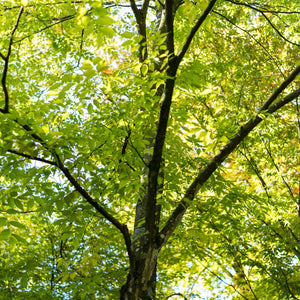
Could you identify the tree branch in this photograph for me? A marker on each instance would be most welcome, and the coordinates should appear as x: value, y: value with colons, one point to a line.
x: 44, y: 4
x: 268, y: 20
x: 59, y: 164
x: 278, y: 32
x: 177, y: 294
x: 295, y: 94
x: 46, y: 161
x: 169, y: 26
x: 265, y: 10
x: 280, y: 89
x: 156, y: 159
x: 251, y: 36
x: 45, y: 28
x: 6, y: 61
x: 121, y: 227
x: 173, y: 63
x: 140, y: 16
x: 213, y: 165
x: 268, y: 149
x: 256, y: 170
x: 195, y: 29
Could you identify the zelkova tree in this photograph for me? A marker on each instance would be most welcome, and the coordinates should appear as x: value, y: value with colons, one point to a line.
x: 149, y: 149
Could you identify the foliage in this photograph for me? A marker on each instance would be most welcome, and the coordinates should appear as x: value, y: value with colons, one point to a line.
x: 90, y: 153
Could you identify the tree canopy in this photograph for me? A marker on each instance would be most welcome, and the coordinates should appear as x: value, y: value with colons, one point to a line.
x: 149, y: 149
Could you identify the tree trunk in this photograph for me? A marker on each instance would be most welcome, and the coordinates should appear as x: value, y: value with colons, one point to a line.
x: 141, y: 281
x: 142, y: 285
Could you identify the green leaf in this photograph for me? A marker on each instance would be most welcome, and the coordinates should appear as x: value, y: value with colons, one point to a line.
x: 12, y: 211
x: 99, y: 11
x: 107, y: 31
x: 90, y: 108
x: 96, y: 107
x: 104, y: 20
x: 67, y: 235
x: 17, y: 224
x: 19, y: 204
x: 3, y: 221
x: 4, y: 234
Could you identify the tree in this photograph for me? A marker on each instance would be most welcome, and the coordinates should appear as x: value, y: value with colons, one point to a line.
x: 146, y: 144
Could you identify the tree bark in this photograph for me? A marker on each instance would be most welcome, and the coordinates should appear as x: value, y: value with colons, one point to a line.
x: 146, y: 240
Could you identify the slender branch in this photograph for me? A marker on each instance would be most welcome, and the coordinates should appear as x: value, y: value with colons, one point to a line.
x: 34, y: 135
x: 298, y: 123
x: 279, y: 11
x: 6, y: 62
x: 293, y: 235
x: 140, y: 16
x: 268, y: 149
x: 169, y: 26
x: 59, y: 164
x: 268, y: 20
x: 46, y: 161
x: 265, y: 10
x: 121, y: 227
x: 237, y: 263
x: 177, y: 294
x: 173, y: 64
x: 286, y: 284
x: 155, y: 163
x: 45, y: 28
x: 284, y: 240
x: 16, y: 25
x: 251, y: 36
x: 213, y: 165
x: 195, y: 29
x: 290, y: 97
x: 280, y: 89
x: 44, y: 4
x: 278, y: 32
x: 255, y: 168
x: 139, y: 155
x: 220, y: 278
x: 126, y: 142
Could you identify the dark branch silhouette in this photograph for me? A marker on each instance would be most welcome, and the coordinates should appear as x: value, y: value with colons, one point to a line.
x: 6, y: 62
x: 262, y: 12
x: 252, y: 37
x: 212, y: 166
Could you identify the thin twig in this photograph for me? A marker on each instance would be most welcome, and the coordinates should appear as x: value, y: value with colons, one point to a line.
x: 139, y: 155
x: 268, y: 20
x: 135, y: 10
x: 278, y: 32
x: 298, y: 122
x: 268, y: 149
x: 256, y: 171
x: 45, y: 28
x: 45, y: 4
x: 257, y: 41
x: 263, y: 9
